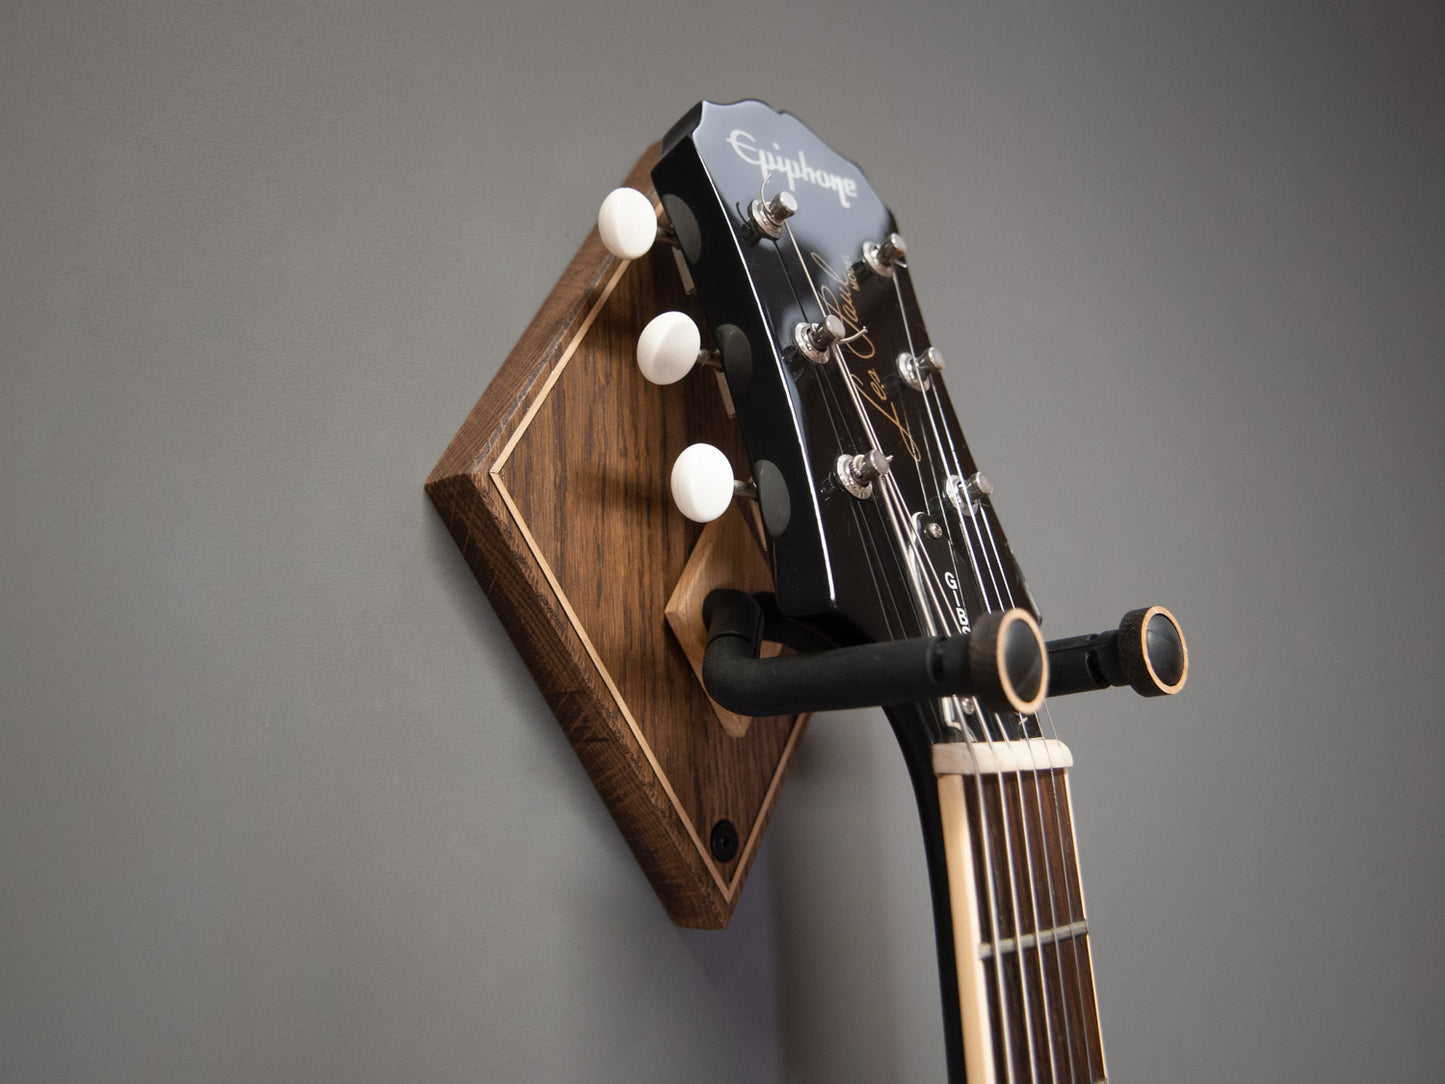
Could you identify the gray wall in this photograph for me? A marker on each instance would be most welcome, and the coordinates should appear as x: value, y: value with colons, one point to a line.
x: 279, y: 800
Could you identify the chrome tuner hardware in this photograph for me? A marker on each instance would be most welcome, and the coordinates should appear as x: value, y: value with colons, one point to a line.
x: 814, y: 340
x: 859, y: 472
x: 965, y: 493
x: 670, y: 347
x: 917, y: 372
x: 882, y: 259
x: 768, y: 216
x: 703, y: 485
x: 628, y: 224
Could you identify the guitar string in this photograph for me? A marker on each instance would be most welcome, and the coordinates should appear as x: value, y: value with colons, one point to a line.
x: 934, y: 410
x: 992, y: 891
x: 995, y: 576
x: 832, y: 411
x: 1034, y: 772
x: 1047, y: 715
x: 864, y: 512
x: 908, y: 403
x: 1005, y: 823
x: 978, y: 510
x: 892, y: 501
x: 996, y: 563
x: 1009, y: 853
x: 1033, y: 902
x: 1092, y: 1037
x: 863, y: 418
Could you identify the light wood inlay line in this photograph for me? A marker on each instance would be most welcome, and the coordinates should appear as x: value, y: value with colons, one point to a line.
x: 496, y: 475
x: 1032, y: 940
x: 725, y: 885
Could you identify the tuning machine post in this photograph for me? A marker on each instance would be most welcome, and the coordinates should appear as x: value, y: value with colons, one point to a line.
x: 882, y: 257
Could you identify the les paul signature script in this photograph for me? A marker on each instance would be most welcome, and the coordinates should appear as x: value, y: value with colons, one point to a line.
x: 837, y: 290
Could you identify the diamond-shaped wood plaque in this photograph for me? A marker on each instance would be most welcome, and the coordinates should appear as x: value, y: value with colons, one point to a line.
x: 556, y: 491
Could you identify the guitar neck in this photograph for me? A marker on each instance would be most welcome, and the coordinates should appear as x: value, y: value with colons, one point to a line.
x: 1013, y: 940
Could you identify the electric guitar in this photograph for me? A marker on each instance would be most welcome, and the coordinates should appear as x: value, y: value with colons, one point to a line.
x: 893, y: 578
x: 866, y: 566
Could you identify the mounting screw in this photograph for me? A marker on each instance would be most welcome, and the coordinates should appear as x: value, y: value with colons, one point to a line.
x: 724, y: 841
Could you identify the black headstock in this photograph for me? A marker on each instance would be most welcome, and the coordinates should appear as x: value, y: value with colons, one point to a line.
x: 917, y: 550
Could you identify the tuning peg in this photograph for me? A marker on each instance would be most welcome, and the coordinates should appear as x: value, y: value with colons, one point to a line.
x: 768, y: 216
x: 670, y: 347
x: 628, y: 224
x: 703, y: 484
x: 883, y: 258
x: 918, y: 370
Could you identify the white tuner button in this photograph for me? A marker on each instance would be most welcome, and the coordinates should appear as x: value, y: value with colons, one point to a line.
x: 702, y: 483
x: 669, y: 347
x: 627, y: 223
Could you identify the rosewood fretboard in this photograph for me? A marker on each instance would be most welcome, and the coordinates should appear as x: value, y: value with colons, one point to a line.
x: 1026, y: 988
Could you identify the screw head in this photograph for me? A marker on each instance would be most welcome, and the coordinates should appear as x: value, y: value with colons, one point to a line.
x: 723, y: 841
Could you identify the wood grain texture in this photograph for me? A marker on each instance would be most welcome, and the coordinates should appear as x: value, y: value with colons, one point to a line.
x: 555, y: 489
x: 729, y: 554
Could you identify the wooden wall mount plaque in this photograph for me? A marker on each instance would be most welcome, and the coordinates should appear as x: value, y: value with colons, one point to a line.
x: 556, y: 491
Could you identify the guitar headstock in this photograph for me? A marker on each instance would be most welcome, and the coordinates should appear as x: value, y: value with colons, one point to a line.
x: 880, y: 525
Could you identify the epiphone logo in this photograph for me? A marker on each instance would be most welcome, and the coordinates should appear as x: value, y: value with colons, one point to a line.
x: 795, y: 169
